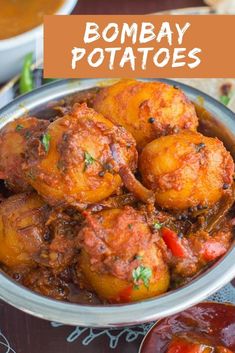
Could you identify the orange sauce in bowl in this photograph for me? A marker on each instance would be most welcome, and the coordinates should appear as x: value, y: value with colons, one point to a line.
x: 19, y: 16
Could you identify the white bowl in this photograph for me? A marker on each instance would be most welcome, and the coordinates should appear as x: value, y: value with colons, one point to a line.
x: 14, y: 49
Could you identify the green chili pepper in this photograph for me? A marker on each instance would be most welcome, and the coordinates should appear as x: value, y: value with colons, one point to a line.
x: 26, y: 78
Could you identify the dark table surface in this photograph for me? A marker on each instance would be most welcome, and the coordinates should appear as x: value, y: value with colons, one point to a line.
x: 131, y: 6
x: 22, y: 333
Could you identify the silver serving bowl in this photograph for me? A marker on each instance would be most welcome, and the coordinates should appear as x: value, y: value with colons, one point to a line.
x: 216, y: 120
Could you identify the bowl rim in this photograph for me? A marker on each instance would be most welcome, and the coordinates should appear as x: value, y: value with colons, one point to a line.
x: 5, y: 44
x: 158, y: 321
x: 123, y: 314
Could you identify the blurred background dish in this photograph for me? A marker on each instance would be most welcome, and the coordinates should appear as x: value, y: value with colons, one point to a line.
x: 25, y: 36
x: 206, y: 327
x: 20, y: 16
x: 222, y: 6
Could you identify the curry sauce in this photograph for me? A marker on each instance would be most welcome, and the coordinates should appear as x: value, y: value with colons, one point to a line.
x: 19, y: 16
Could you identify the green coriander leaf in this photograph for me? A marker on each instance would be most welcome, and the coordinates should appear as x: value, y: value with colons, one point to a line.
x: 130, y: 226
x: 19, y: 127
x: 46, y: 141
x: 157, y: 225
x: 224, y: 99
x: 88, y: 160
x: 146, y: 275
x: 142, y: 273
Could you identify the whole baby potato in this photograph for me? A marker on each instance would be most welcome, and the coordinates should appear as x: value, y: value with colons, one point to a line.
x: 186, y: 170
x: 21, y: 229
x: 120, y: 258
x: 146, y: 109
x: 72, y: 162
x: 13, y: 138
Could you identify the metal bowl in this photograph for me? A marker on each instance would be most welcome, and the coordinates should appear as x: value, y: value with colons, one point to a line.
x: 216, y: 120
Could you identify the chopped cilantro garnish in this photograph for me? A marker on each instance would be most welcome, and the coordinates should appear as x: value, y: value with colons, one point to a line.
x: 46, y: 141
x: 157, y: 225
x: 88, y: 160
x: 224, y: 99
x: 141, y: 273
x: 130, y: 226
x: 19, y: 127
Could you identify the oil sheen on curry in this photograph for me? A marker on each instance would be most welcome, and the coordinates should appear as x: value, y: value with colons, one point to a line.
x: 114, y: 197
x: 19, y: 16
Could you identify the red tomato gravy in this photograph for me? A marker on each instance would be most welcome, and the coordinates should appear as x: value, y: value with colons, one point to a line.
x: 212, y: 321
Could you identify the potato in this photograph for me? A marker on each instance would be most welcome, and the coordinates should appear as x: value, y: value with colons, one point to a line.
x: 72, y: 163
x: 115, y: 290
x: 13, y: 137
x: 186, y: 170
x: 32, y: 233
x: 146, y: 109
x: 21, y: 229
x: 120, y: 258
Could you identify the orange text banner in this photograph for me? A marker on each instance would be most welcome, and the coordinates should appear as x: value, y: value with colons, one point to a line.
x: 139, y: 46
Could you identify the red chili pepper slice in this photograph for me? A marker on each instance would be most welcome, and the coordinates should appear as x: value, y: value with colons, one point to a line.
x: 173, y: 242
